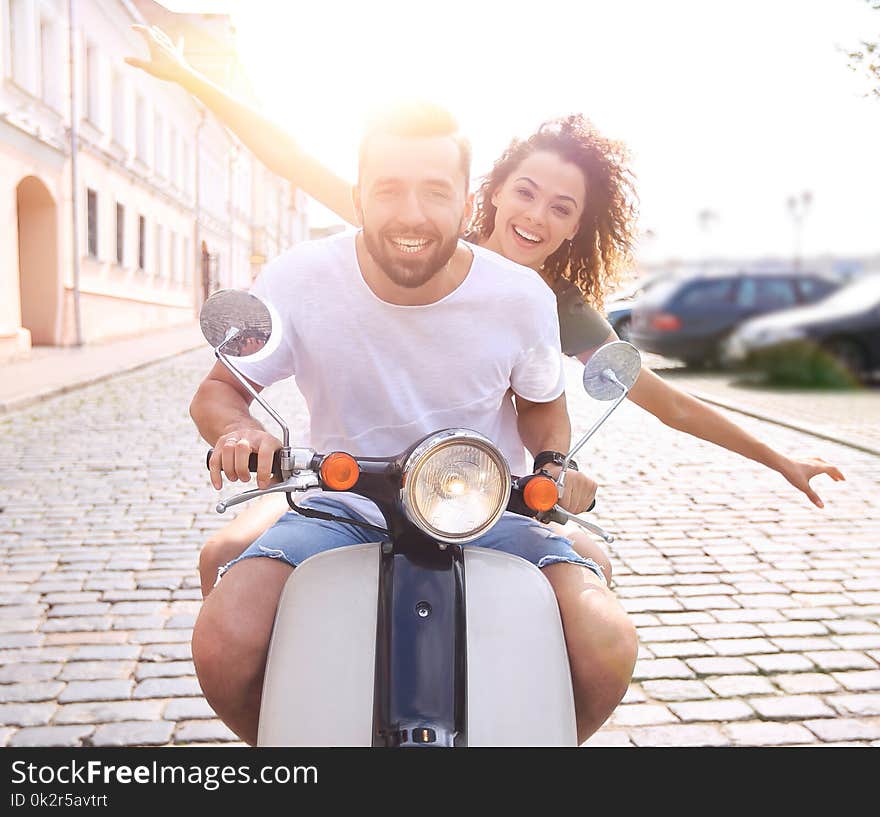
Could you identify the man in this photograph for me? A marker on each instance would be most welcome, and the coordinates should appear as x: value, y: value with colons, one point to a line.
x: 392, y: 334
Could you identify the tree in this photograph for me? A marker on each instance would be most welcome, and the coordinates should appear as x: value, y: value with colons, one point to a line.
x: 866, y: 61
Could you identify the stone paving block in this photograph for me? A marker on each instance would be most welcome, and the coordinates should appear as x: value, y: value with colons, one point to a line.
x: 96, y: 670
x: 634, y: 695
x: 804, y: 682
x: 719, y: 589
x: 51, y: 735
x: 684, y: 649
x: 164, y: 669
x: 793, y: 628
x: 804, y: 643
x: 685, y: 619
x: 78, y: 610
x: 650, y: 634
x: 735, y: 686
x: 137, y: 622
x: 765, y: 733
x: 782, y: 662
x: 26, y: 714
x: 138, y: 608
x: 608, y: 738
x: 167, y: 688
x: 185, y: 621
x: 860, y: 705
x: 109, y: 712
x: 662, y: 668
x: 19, y: 625
x: 742, y: 646
x: 678, y: 735
x: 712, y: 710
x: 640, y: 605
x: 188, y: 709
x: 852, y: 626
x: 677, y: 690
x: 710, y: 631
x: 867, y: 641
x: 159, y: 636
x: 841, y: 660
x: 96, y: 691
x: 167, y: 652
x: 822, y: 614
x: 755, y: 615
x: 865, y: 681
x: 24, y: 673
x: 644, y: 620
x: 133, y: 733
x: 205, y: 730
x: 24, y: 640
x: 641, y: 714
x: 838, y: 729
x: 709, y: 603
x: 30, y: 691
x: 108, y: 652
x: 85, y: 638
x: 777, y: 601
x: 791, y: 707
x: 722, y: 666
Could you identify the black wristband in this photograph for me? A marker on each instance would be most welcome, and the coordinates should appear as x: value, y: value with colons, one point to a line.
x: 545, y: 457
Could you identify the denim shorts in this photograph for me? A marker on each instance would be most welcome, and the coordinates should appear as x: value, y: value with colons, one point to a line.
x: 293, y: 538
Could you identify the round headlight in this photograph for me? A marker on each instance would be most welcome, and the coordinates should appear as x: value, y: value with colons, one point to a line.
x: 456, y: 485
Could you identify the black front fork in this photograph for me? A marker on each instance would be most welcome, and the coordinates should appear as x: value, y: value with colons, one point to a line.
x: 421, y: 665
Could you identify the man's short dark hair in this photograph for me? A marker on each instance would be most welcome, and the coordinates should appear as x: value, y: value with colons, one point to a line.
x: 416, y: 120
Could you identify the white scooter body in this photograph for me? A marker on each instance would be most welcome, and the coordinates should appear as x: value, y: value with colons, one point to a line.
x: 319, y: 682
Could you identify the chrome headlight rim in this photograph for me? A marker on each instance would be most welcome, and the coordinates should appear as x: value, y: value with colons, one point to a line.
x: 423, y: 452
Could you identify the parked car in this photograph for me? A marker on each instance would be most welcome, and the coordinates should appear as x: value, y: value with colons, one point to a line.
x: 689, y: 318
x: 844, y: 326
x: 618, y: 309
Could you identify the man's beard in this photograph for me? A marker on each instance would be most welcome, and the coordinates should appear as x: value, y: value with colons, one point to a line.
x: 404, y: 272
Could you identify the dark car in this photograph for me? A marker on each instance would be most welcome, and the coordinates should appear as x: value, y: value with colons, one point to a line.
x: 845, y: 326
x: 618, y: 308
x: 689, y: 318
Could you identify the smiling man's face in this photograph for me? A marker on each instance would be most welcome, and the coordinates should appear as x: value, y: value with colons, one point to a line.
x: 411, y: 200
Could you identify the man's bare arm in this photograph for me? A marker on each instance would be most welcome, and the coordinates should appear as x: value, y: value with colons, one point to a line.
x: 221, y: 412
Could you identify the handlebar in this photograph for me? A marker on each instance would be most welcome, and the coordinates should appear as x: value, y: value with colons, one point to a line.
x: 252, y: 463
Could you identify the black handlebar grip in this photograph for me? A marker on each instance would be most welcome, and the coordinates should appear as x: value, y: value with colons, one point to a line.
x: 252, y: 463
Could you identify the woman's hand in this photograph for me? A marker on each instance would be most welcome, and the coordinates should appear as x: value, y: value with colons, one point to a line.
x: 800, y: 472
x: 166, y: 60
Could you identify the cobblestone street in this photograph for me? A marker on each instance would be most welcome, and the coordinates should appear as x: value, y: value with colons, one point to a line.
x: 757, y: 613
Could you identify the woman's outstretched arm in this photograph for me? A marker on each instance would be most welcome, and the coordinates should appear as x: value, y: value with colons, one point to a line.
x: 269, y: 142
x: 683, y: 412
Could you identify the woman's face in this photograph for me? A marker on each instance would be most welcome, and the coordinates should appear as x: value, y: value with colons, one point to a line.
x: 539, y: 206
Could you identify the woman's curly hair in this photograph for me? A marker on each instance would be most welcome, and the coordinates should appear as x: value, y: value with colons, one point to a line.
x: 594, y: 259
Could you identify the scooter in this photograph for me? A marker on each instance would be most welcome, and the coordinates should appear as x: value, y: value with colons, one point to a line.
x: 415, y: 640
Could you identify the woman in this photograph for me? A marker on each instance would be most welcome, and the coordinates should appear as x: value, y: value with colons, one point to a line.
x: 560, y: 203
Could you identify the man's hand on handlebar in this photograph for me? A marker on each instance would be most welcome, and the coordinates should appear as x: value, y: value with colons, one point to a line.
x: 232, y: 452
x: 580, y: 490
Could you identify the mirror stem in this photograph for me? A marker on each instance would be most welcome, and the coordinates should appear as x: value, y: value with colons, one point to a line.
x: 583, y: 440
x: 284, y: 431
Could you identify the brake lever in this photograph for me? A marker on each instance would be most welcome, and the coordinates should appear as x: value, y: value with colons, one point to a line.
x: 298, y: 482
x: 570, y: 517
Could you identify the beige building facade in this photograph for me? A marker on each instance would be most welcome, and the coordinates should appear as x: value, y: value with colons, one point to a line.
x: 123, y: 223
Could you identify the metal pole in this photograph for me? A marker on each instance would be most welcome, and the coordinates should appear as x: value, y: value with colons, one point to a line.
x: 74, y: 175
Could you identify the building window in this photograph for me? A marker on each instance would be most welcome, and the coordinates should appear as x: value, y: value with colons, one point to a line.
x: 187, y: 261
x: 118, y: 110
x: 172, y: 256
x: 187, y: 185
x: 140, y: 115
x: 92, y: 207
x: 17, y: 18
x: 120, y: 234
x: 92, y: 85
x: 173, y: 170
x: 159, y: 146
x: 49, y: 67
x: 142, y: 242
x: 160, y: 267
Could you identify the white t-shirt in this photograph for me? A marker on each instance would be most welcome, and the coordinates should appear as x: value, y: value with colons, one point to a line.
x: 377, y: 376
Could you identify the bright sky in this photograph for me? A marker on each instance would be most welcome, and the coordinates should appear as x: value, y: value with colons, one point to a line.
x: 727, y: 106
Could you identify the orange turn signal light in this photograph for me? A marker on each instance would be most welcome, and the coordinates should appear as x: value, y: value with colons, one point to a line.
x: 541, y: 493
x: 339, y: 471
